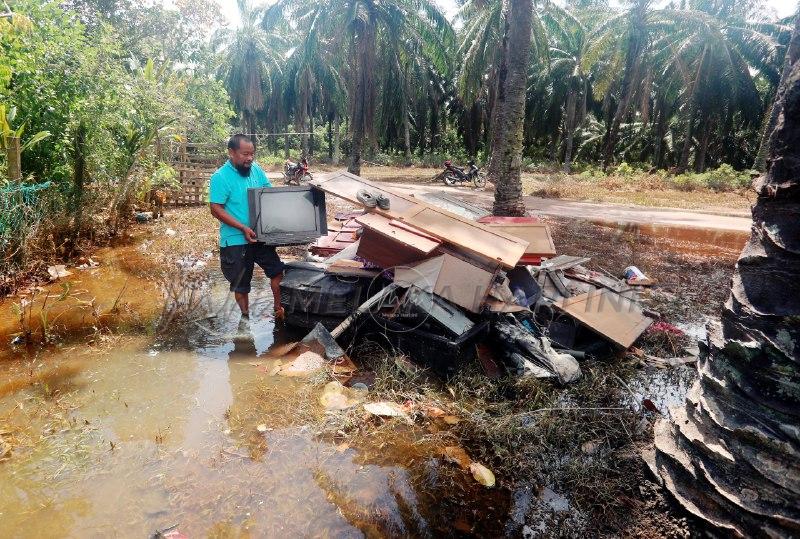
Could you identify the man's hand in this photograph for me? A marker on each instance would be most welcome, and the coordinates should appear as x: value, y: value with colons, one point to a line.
x: 249, y: 234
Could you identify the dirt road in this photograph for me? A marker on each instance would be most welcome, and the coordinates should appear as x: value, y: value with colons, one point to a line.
x: 616, y: 214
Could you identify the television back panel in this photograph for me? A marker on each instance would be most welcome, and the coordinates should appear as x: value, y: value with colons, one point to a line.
x: 292, y: 215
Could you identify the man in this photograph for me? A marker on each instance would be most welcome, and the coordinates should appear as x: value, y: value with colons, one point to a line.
x: 239, y: 250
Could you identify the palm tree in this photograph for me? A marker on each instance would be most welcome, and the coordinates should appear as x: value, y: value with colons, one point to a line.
x: 250, y: 57
x: 312, y: 71
x: 625, y: 37
x: 716, y: 53
x: 509, y: 114
x: 569, y: 44
x: 354, y: 26
x: 731, y: 454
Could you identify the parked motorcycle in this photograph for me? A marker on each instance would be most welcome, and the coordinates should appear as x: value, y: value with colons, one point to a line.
x: 453, y: 175
x: 296, y: 173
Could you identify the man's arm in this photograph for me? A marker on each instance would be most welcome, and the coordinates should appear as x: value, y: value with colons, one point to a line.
x: 218, y: 211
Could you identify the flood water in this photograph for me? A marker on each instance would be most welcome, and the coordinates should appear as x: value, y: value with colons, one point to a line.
x: 136, y: 436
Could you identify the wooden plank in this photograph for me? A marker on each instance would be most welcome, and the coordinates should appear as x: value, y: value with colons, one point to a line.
x: 615, y: 317
x: 538, y: 236
x: 405, y: 235
x: 468, y: 235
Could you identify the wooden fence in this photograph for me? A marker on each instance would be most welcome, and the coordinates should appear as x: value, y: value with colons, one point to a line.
x: 194, y: 163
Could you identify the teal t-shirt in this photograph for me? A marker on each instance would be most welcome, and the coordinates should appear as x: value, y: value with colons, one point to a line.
x: 229, y: 188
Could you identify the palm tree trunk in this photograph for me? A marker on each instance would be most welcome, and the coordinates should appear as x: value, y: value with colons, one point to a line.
x: 363, y: 94
x: 569, y: 128
x: 311, y: 136
x: 406, y: 132
x: 692, y: 104
x: 336, y: 139
x: 509, y: 114
x: 330, y: 137
x: 731, y: 455
x: 700, y: 158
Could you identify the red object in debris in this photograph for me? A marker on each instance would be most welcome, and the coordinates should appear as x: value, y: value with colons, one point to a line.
x: 336, y: 240
x: 665, y: 327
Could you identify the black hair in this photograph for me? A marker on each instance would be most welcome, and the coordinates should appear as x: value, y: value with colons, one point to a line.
x: 236, y: 140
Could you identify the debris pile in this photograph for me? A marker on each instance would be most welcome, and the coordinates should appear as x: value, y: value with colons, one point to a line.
x: 440, y: 280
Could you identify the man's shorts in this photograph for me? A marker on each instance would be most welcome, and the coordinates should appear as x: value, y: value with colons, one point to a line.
x: 237, y: 262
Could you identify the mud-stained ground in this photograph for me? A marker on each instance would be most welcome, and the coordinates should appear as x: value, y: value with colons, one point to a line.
x: 122, y: 424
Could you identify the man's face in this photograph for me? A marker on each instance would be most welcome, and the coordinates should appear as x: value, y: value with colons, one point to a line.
x: 242, y: 158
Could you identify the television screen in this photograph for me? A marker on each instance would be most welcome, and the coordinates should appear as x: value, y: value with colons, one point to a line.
x: 287, y: 215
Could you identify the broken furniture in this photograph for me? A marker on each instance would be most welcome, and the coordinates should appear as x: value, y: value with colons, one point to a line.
x: 450, y: 277
x: 531, y: 229
x: 613, y: 316
x: 459, y: 232
x: 387, y: 243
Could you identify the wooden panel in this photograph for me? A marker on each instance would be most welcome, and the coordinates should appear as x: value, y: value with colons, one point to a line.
x: 617, y: 318
x: 399, y: 232
x: 540, y: 241
x: 468, y: 235
x: 386, y: 252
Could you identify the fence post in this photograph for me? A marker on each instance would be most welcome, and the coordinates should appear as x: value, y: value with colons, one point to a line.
x: 13, y: 155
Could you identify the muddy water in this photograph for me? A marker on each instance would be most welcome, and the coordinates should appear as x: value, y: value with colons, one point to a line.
x: 135, y: 436
x: 690, y: 240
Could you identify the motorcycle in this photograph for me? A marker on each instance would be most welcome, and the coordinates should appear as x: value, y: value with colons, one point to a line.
x: 296, y: 173
x: 453, y: 175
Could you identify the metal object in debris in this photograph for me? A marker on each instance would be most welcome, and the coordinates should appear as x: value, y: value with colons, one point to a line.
x: 437, y: 310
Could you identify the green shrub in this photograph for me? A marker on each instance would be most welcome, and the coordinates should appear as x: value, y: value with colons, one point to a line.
x: 687, y: 182
x: 725, y: 178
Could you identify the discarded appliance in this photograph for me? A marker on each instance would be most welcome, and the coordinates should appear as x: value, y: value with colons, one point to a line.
x: 531, y: 229
x: 310, y: 295
x: 287, y: 215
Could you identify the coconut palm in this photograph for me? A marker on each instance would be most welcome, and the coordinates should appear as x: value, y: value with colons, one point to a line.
x: 354, y: 26
x: 719, y: 57
x: 250, y: 57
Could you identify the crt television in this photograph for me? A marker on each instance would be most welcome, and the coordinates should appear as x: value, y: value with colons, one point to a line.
x: 287, y: 215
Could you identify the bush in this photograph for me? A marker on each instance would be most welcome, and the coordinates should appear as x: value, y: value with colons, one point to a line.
x: 687, y: 182
x: 725, y: 178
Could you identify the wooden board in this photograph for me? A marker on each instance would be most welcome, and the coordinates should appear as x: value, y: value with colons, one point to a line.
x: 615, y: 317
x: 399, y: 232
x: 386, y: 252
x: 470, y: 236
x: 540, y: 241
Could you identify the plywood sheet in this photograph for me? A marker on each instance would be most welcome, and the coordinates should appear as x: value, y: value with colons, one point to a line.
x: 470, y: 236
x: 345, y: 185
x: 615, y: 317
x: 454, y: 279
x: 386, y: 252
